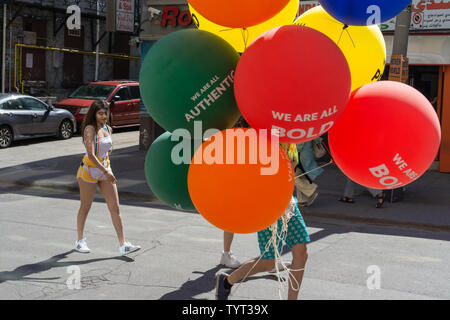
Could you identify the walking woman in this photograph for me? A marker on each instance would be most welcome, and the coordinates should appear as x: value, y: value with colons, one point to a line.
x: 95, y: 171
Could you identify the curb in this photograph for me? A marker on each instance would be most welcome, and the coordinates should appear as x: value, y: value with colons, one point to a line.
x: 376, y: 222
x: 131, y: 196
x: 74, y: 189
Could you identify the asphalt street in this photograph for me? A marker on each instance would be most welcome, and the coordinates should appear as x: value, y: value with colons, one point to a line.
x: 351, y: 256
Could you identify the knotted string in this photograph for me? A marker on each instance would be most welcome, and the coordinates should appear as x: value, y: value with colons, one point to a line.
x: 274, y: 241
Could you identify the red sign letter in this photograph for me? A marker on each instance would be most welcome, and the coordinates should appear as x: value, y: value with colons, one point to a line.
x: 188, y: 20
x: 170, y: 13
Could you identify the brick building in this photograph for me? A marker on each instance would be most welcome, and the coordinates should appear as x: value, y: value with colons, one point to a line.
x: 43, y: 23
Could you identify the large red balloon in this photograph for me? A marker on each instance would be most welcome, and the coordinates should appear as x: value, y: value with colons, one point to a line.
x: 238, y: 13
x: 387, y: 137
x: 294, y: 79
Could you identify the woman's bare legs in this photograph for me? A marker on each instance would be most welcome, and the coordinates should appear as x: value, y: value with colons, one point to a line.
x: 87, y: 193
x: 227, y: 240
x: 250, y: 268
x: 299, y: 257
x: 109, y: 191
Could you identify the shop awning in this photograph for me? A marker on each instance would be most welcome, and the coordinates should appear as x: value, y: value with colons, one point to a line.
x: 424, y: 49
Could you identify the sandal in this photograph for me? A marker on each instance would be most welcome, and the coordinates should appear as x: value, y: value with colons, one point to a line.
x: 346, y: 199
x: 380, y: 199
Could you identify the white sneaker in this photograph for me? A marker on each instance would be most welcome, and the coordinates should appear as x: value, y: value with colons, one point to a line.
x: 281, y: 268
x: 229, y: 260
x: 81, y: 246
x: 127, y: 248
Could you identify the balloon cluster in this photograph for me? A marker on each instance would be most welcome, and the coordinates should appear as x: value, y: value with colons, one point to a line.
x: 295, y: 81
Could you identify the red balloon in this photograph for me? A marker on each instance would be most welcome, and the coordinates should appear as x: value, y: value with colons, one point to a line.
x: 294, y: 79
x: 387, y: 137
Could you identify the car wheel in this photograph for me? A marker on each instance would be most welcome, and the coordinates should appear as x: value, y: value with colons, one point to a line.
x: 65, y: 130
x: 6, y: 137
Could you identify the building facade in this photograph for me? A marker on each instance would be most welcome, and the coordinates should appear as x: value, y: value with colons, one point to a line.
x: 34, y: 24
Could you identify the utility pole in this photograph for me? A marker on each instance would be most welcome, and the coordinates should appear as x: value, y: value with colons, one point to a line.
x: 399, y: 67
x: 402, y: 32
x: 4, y: 49
x: 97, y: 46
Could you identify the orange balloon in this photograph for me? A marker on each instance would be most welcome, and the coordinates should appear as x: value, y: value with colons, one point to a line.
x: 238, y: 13
x: 237, y: 188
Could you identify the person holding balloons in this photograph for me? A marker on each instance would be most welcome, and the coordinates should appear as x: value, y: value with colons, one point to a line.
x: 292, y: 225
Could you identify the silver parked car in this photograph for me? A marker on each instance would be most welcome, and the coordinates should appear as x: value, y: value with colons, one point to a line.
x: 23, y: 117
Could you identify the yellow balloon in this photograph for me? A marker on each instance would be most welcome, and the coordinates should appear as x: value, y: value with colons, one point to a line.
x: 240, y: 39
x: 364, y: 47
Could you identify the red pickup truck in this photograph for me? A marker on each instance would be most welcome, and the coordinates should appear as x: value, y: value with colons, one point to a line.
x: 123, y: 98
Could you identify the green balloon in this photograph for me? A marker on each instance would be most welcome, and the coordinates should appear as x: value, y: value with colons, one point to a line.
x: 188, y: 76
x: 167, y: 179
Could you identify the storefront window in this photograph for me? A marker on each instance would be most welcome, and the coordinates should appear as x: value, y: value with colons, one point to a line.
x: 426, y: 80
x: 423, y: 78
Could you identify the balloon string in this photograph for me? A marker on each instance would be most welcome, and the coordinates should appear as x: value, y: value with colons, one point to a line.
x: 227, y: 29
x: 245, y: 36
x: 320, y: 167
x: 345, y: 28
x: 325, y: 146
x: 342, y: 32
x: 280, y: 236
x: 354, y: 46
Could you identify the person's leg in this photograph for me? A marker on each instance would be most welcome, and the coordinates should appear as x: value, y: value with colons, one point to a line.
x: 87, y: 194
x: 299, y: 257
x: 250, y: 268
x: 224, y: 282
x: 375, y: 192
x: 379, y: 195
x: 349, y: 190
x: 227, y: 240
x: 296, y: 238
x: 228, y: 259
x: 109, y: 191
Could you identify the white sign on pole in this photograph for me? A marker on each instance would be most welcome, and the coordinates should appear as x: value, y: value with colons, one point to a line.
x: 426, y: 15
x: 125, y: 15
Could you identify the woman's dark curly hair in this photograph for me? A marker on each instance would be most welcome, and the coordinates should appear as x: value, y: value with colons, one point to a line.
x: 90, y: 118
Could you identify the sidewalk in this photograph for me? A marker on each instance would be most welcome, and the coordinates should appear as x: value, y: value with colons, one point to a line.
x: 426, y: 203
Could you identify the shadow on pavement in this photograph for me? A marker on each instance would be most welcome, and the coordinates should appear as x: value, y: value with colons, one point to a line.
x: 207, y: 282
x: 192, y: 288
x: 22, y: 273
